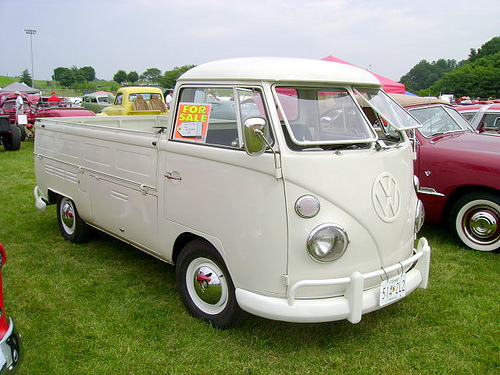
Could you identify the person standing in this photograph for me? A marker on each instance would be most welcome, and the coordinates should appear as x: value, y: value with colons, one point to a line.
x: 19, y: 105
x: 168, y: 98
x: 54, y: 100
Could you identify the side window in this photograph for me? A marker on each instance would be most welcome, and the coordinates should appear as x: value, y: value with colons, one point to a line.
x: 251, y: 104
x: 491, y: 122
x: 119, y: 99
x: 213, y: 115
x: 207, y: 115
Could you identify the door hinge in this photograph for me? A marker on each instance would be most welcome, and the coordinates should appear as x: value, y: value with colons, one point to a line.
x: 285, y: 279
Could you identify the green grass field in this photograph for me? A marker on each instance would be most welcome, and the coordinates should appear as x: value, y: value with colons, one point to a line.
x: 106, y: 308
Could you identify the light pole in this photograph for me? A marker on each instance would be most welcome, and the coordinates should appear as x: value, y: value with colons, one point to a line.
x: 31, y: 32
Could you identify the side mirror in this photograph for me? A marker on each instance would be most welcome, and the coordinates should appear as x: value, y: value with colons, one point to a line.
x: 254, y: 131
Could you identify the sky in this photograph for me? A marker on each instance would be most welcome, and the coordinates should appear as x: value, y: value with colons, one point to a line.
x: 388, y: 37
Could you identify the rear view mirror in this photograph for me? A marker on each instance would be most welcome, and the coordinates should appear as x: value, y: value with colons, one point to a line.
x: 254, y: 131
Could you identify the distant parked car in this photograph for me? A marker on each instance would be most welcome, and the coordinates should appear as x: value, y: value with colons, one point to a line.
x: 97, y: 101
x: 459, y: 172
x: 62, y: 109
x: 137, y: 100
x: 64, y: 112
x: 76, y: 101
x: 484, y: 118
x: 469, y: 111
x: 8, y: 108
x: 10, y: 340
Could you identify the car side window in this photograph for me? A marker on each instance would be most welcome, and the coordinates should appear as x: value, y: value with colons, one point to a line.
x: 492, y: 122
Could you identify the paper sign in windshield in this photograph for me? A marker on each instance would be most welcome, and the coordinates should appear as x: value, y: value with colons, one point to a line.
x: 192, y: 122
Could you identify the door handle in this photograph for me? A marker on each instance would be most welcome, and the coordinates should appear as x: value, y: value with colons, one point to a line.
x: 170, y: 176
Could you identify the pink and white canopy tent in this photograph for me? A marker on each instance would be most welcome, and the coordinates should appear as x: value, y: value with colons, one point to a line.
x: 388, y: 85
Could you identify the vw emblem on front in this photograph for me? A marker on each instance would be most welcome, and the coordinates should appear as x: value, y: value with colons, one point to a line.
x: 386, y: 197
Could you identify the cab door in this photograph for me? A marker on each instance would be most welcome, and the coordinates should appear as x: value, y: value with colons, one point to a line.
x: 211, y: 187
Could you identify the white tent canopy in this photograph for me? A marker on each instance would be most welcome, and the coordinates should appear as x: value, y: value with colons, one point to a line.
x: 21, y: 87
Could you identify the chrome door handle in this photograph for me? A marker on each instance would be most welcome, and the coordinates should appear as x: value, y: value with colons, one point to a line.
x: 170, y: 176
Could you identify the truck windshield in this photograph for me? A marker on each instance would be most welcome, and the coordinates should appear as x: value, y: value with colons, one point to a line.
x: 316, y: 116
x: 392, y: 115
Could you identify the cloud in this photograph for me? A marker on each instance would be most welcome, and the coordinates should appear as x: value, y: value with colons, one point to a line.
x: 389, y: 36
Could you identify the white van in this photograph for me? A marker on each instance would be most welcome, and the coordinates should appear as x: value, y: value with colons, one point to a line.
x: 267, y: 187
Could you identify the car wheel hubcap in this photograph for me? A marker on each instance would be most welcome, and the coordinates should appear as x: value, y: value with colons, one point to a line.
x: 481, y: 224
x: 68, y: 217
x: 207, y: 286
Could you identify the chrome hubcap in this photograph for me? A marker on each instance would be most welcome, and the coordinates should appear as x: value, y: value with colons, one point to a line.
x: 483, y: 224
x: 207, y: 286
x: 68, y: 217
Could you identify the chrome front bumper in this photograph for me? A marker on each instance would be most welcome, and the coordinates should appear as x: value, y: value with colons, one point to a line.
x: 355, y: 302
x: 10, y: 350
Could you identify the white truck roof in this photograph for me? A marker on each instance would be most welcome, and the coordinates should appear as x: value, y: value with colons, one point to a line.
x: 280, y: 69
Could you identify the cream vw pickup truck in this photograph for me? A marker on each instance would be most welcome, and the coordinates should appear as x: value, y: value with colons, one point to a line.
x: 266, y: 187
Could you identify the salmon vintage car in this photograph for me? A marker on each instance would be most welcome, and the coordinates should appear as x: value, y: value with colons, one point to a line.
x: 285, y: 202
x: 137, y: 100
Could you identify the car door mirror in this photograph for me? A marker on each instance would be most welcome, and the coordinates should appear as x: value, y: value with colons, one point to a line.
x: 254, y: 131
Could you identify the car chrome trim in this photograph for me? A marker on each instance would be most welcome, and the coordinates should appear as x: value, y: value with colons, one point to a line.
x: 11, y: 351
x: 430, y: 191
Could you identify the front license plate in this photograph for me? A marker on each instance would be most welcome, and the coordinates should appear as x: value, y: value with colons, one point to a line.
x: 392, y: 289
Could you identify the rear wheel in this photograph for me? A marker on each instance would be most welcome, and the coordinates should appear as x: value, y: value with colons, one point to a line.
x: 72, y: 226
x: 206, y: 287
x: 22, y: 129
x: 475, y: 220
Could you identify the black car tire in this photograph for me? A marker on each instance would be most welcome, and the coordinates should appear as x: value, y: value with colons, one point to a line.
x: 22, y: 129
x: 215, y: 303
x: 12, y: 141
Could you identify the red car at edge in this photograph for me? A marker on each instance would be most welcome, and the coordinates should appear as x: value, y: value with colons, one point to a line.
x: 459, y: 172
x: 10, y: 340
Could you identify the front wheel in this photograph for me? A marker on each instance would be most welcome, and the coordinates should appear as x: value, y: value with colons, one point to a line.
x: 206, y: 287
x: 72, y: 226
x: 12, y: 140
x: 475, y: 220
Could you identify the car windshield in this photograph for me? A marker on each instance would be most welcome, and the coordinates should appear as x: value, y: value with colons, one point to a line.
x: 438, y: 120
x: 317, y: 116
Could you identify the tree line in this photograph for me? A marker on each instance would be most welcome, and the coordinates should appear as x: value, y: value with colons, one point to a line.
x: 476, y: 76
x: 74, y: 76
x: 152, y: 75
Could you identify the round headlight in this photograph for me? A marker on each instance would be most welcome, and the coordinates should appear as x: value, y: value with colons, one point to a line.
x: 419, y: 216
x: 307, y: 206
x: 327, y: 242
